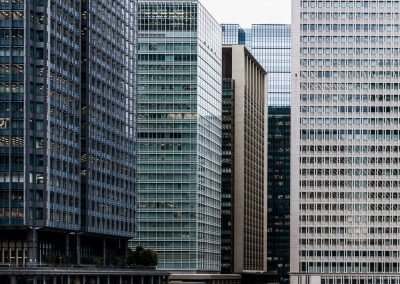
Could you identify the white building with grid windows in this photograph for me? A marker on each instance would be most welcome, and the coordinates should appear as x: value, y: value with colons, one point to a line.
x: 345, y: 149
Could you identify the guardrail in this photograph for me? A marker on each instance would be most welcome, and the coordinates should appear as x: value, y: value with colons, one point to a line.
x: 72, y: 266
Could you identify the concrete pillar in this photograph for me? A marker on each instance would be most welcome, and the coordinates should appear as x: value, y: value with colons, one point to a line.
x: 108, y: 279
x: 67, y: 252
x: 126, y: 249
x: 32, y: 246
x: 54, y: 279
x: 13, y: 280
x: 104, y: 251
x: 78, y: 249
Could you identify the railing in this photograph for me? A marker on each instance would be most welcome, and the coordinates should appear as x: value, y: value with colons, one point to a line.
x: 37, y: 265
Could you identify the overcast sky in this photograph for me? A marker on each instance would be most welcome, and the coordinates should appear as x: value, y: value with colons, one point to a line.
x: 249, y: 12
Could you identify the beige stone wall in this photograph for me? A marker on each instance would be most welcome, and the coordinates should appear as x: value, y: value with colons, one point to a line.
x: 250, y: 161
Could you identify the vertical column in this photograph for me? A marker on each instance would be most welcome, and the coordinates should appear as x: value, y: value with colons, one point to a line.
x: 32, y: 246
x: 104, y: 251
x: 125, y: 250
x: 13, y: 280
x: 78, y: 249
x: 67, y: 252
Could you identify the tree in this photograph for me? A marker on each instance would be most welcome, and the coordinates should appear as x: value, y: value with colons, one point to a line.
x: 142, y: 257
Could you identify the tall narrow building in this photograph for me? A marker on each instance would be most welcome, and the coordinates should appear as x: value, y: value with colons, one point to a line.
x: 244, y: 169
x: 179, y: 135
x: 345, y: 142
x: 270, y: 45
x: 108, y: 105
x: 53, y: 132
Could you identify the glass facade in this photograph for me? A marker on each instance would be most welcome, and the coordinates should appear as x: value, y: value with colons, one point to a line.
x: 278, y: 227
x: 53, y: 131
x: 56, y: 86
x: 271, y: 46
x: 233, y: 34
x: 345, y: 154
x: 40, y: 120
x: 179, y: 135
x: 227, y: 232
x: 12, y: 112
x: 108, y: 117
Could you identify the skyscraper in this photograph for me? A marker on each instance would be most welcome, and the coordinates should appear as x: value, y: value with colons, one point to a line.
x: 108, y: 102
x: 233, y: 34
x: 244, y: 169
x: 65, y: 161
x: 179, y: 135
x: 270, y: 45
x: 345, y: 152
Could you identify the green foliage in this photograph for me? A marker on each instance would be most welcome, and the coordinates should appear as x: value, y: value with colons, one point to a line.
x: 57, y: 259
x: 96, y: 260
x: 142, y: 257
x: 118, y: 261
x: 50, y: 259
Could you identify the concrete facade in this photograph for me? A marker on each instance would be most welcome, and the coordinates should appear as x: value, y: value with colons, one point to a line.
x: 270, y: 44
x: 345, y: 142
x: 248, y: 152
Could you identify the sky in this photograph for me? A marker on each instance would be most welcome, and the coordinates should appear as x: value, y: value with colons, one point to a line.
x: 249, y: 12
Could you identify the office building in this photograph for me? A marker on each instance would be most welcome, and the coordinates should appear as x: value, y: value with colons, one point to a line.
x: 244, y: 168
x: 270, y: 45
x: 278, y: 185
x: 66, y: 131
x: 345, y: 142
x: 233, y: 34
x: 179, y: 135
x: 108, y: 101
